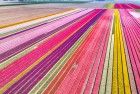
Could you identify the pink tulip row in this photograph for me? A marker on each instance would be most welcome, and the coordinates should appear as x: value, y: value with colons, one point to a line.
x: 87, y: 76
x: 131, y: 30
x: 18, y: 42
x: 126, y: 6
x: 21, y: 64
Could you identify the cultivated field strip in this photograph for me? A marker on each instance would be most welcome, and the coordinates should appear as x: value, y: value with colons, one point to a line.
x: 73, y: 51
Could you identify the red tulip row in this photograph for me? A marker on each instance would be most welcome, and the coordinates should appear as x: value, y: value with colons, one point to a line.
x: 29, y: 69
x: 83, y: 71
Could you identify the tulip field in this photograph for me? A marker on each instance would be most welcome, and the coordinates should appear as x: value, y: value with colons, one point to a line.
x: 70, y: 50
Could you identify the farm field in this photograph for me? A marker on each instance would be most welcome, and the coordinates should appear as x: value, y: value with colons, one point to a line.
x: 86, y: 48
